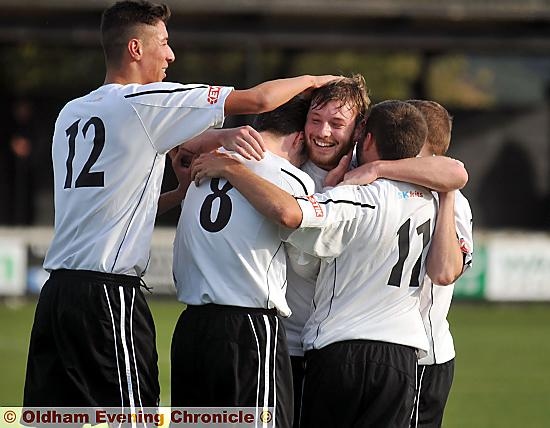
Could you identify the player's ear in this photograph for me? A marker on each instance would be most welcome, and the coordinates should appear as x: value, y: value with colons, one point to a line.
x: 369, y: 145
x: 369, y: 141
x: 359, y: 131
x: 135, y: 49
x: 294, y: 142
x: 299, y: 139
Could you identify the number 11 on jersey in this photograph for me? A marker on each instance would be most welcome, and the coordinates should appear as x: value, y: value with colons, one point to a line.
x: 403, y: 244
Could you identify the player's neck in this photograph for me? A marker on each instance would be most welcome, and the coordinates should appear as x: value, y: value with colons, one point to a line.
x: 122, y: 77
x: 112, y: 77
x: 273, y: 144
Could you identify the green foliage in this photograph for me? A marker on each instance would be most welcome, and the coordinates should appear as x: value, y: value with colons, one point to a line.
x: 388, y: 76
x: 208, y: 66
x: 453, y: 81
x: 45, y: 70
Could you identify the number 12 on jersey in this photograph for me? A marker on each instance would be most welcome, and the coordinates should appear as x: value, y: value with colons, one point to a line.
x: 404, y: 246
x: 85, y: 178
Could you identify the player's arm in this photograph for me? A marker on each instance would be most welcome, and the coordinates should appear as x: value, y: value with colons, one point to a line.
x: 271, y: 94
x: 274, y: 203
x: 180, y: 164
x: 243, y: 140
x: 325, y: 233
x: 439, y: 173
x: 444, y: 262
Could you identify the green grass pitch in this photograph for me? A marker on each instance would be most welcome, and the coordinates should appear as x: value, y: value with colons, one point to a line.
x: 502, y: 374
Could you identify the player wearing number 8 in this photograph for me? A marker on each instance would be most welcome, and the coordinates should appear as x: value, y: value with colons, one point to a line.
x: 229, y: 347
x: 93, y: 338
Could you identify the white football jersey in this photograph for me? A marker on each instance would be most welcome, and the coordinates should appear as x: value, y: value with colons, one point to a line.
x: 108, y: 157
x: 373, y: 242
x: 435, y: 300
x: 301, y: 284
x: 226, y: 252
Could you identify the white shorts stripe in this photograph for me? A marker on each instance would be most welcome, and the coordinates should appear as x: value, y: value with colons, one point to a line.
x: 116, y: 348
x: 266, y: 365
x: 302, y: 395
x: 259, y: 364
x: 417, y: 398
x: 134, y: 349
x: 275, y: 372
x: 125, y: 349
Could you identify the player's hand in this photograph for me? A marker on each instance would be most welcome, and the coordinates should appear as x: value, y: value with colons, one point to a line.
x: 244, y: 140
x: 336, y: 175
x: 319, y: 81
x: 212, y: 164
x: 364, y: 174
x: 181, y: 164
x: 323, y: 80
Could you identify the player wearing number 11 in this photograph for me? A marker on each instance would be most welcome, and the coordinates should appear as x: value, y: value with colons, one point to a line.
x: 364, y: 332
x: 93, y: 338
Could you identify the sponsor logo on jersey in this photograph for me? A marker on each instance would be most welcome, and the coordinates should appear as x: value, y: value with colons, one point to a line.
x: 410, y: 194
x: 316, y: 207
x: 464, y: 246
x: 213, y: 94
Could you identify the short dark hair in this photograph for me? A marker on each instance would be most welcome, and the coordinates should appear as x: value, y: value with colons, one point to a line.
x: 120, y: 22
x: 439, y: 123
x: 285, y: 119
x: 349, y: 90
x: 398, y: 128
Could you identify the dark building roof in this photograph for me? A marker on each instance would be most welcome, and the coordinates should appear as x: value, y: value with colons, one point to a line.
x: 466, y: 25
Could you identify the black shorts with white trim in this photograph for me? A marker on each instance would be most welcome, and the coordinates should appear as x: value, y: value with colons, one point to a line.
x: 92, y: 344
x: 433, y: 387
x: 229, y: 356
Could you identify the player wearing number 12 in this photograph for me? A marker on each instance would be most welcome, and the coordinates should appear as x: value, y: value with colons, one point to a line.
x: 93, y: 337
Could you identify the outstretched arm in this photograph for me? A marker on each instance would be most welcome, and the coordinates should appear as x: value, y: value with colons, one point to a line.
x: 271, y: 94
x: 439, y: 173
x: 270, y: 200
x: 444, y: 262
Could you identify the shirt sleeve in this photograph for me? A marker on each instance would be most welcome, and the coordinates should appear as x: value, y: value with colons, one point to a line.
x: 172, y: 113
x: 463, y: 219
x: 330, y: 220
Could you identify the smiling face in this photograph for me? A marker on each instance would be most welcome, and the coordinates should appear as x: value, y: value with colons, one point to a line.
x: 157, y: 54
x: 329, y: 133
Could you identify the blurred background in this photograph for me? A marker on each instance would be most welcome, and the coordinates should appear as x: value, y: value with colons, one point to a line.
x: 486, y: 61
